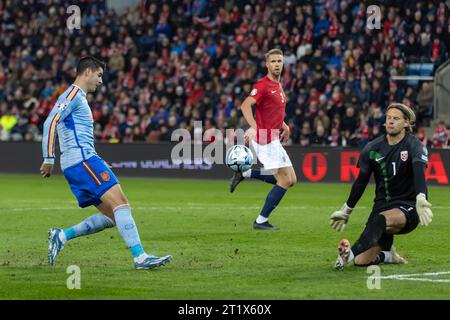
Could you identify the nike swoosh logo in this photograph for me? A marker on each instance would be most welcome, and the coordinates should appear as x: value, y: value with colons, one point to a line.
x: 379, y: 159
x: 273, y: 91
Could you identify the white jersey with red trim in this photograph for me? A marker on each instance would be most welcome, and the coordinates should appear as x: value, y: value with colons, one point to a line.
x: 71, y: 119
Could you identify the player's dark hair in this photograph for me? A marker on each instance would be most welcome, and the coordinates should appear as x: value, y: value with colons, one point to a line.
x: 408, y: 113
x: 274, y: 51
x: 89, y: 62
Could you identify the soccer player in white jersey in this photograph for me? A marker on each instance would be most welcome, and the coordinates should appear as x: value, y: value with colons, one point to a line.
x: 89, y: 177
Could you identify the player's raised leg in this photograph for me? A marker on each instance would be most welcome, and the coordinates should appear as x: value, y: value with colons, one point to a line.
x: 90, y: 225
x: 286, y: 178
x: 258, y: 174
x: 87, y: 186
x: 116, y: 205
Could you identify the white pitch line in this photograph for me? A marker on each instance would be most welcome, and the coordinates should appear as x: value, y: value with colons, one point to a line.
x: 422, y: 279
x: 413, y: 277
x: 427, y: 274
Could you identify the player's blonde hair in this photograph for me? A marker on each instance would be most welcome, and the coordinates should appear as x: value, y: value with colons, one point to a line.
x: 407, y: 112
x: 273, y: 51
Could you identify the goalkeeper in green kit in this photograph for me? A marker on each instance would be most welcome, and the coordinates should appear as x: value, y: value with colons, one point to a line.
x: 398, y: 161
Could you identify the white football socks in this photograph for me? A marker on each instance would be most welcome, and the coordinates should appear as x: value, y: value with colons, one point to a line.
x: 62, y: 237
x: 247, y: 174
x: 261, y: 219
x: 387, y: 257
x: 351, y: 256
x: 141, y: 258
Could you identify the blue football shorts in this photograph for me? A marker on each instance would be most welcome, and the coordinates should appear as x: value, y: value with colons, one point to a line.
x: 89, y: 180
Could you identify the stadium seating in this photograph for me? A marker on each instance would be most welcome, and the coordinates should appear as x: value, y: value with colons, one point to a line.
x: 197, y: 60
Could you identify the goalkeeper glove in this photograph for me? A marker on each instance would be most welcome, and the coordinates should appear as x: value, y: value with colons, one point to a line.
x: 339, y: 219
x: 423, y: 209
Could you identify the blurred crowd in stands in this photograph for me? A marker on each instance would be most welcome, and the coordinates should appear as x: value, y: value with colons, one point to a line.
x: 170, y: 63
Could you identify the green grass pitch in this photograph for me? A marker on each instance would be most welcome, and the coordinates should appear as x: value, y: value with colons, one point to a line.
x: 216, y: 253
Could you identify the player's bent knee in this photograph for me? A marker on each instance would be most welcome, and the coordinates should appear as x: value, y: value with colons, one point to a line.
x: 394, y: 229
x: 124, y: 200
x: 289, y: 182
x: 286, y: 181
x: 293, y: 181
x: 285, y: 184
x: 114, y: 197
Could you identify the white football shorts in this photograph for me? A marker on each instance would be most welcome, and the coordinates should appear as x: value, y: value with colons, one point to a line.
x: 272, y: 155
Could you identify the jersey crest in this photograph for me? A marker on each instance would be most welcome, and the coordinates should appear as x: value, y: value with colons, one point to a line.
x: 404, y: 155
x: 105, y: 176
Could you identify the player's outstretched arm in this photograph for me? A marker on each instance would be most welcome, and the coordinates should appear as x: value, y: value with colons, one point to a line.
x: 339, y: 218
x: 423, y: 207
x: 285, y: 133
x: 46, y: 170
x: 48, y: 143
x: 61, y: 109
x: 247, y: 112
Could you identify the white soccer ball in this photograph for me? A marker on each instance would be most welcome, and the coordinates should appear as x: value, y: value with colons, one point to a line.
x: 239, y: 158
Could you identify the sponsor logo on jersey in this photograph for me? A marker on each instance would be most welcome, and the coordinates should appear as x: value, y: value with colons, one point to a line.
x: 404, y: 155
x: 254, y: 92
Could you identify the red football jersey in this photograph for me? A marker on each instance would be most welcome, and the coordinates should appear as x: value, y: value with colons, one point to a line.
x: 270, y: 109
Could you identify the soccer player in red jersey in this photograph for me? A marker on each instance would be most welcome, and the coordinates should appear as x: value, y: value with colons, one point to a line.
x: 264, y: 136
